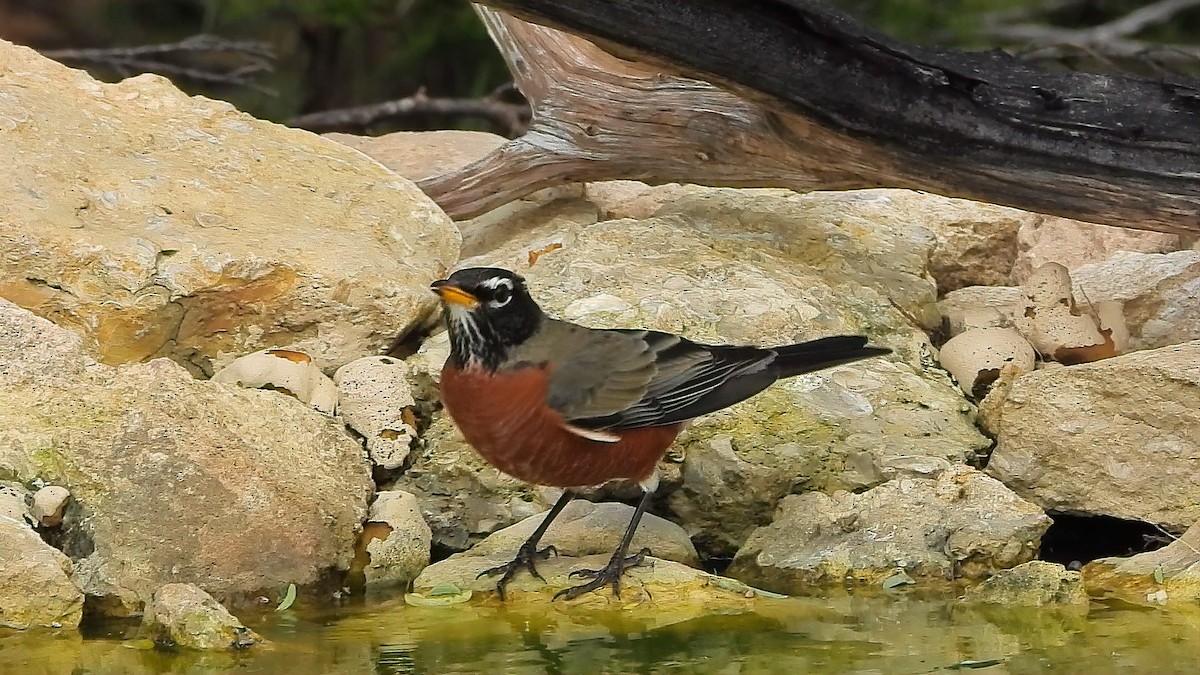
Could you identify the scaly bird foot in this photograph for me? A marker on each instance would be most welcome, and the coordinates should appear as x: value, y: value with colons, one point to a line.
x: 526, y: 557
x: 610, y: 575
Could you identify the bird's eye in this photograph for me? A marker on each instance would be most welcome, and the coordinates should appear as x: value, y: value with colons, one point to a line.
x: 501, y: 297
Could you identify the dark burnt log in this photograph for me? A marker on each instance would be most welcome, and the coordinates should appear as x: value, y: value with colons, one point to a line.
x: 984, y: 126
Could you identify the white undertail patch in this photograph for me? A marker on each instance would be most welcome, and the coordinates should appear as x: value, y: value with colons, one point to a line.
x: 592, y: 434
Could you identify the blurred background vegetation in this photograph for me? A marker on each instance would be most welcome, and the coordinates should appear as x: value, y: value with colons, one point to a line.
x: 319, y: 55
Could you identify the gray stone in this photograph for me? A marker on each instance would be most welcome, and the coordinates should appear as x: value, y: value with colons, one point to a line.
x: 35, y: 582
x: 1118, y: 437
x: 376, y: 400
x: 158, y: 224
x: 961, y: 524
x: 49, y: 503
x: 175, y: 479
x: 402, y: 552
x: 584, y: 528
x: 661, y: 586
x: 184, y: 616
x: 1036, y: 583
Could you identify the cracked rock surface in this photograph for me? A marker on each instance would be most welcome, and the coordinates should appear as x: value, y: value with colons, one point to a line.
x: 158, y: 224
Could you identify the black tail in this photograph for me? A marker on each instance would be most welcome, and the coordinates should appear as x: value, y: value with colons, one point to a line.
x: 805, y: 357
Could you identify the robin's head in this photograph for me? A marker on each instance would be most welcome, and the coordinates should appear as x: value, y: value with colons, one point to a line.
x: 488, y: 311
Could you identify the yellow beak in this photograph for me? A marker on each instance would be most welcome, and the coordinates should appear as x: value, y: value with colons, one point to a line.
x: 451, y: 294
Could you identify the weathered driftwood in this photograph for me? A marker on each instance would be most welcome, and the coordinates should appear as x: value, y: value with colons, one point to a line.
x: 810, y: 100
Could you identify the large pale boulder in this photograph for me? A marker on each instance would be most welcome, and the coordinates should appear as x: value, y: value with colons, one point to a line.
x: 1073, y: 244
x: 172, y: 479
x: 1118, y: 437
x: 35, y: 581
x: 959, y: 524
x: 158, y: 224
x: 417, y: 155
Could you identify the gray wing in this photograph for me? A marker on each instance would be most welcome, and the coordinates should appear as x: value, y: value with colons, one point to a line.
x: 593, y: 372
x: 621, y: 379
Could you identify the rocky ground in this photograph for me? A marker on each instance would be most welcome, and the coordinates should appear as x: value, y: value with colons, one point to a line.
x: 198, y: 405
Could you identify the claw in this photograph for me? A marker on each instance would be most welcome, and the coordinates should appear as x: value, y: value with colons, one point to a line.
x: 525, y: 558
x: 609, y: 575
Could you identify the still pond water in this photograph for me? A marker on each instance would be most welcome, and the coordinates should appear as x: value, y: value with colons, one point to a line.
x: 883, y: 636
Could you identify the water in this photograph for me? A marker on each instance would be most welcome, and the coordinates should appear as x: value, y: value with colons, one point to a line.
x: 886, y: 636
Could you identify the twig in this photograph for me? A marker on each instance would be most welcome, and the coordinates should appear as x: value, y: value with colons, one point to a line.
x: 257, y: 57
x: 511, y: 117
x: 1176, y: 539
x: 1122, y: 27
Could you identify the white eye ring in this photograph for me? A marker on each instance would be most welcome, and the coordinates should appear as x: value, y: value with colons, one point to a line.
x: 496, y: 283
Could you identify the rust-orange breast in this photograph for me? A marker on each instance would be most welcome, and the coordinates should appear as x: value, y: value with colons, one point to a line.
x: 505, y: 418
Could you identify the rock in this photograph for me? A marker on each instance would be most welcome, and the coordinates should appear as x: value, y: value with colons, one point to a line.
x: 184, y: 616
x: 462, y: 497
x: 49, y: 503
x: 399, y: 555
x: 634, y: 199
x: 1156, y: 292
x: 1035, y: 583
x: 173, y: 479
x: 376, y: 400
x: 657, y: 584
x: 556, y: 210
x: 290, y: 372
x: 959, y: 524
x: 584, y: 528
x: 976, y: 242
x: 158, y: 224
x: 1119, y: 437
x: 35, y: 582
x: 764, y: 267
x: 417, y: 155
x: 1074, y: 244
x: 1051, y: 319
x: 976, y: 357
x: 1170, y: 575
x: 15, y: 504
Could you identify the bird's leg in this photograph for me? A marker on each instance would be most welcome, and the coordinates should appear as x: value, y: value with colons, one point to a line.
x: 528, y: 554
x: 611, y: 574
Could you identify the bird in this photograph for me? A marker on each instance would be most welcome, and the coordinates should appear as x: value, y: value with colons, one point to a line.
x: 559, y: 404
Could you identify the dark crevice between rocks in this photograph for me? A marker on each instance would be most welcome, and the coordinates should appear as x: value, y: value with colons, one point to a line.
x: 1075, y: 540
x: 70, y: 536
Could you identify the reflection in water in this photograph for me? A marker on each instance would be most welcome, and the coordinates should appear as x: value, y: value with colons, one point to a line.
x: 832, y: 635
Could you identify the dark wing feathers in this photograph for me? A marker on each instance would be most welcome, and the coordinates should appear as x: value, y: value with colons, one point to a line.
x: 624, y: 379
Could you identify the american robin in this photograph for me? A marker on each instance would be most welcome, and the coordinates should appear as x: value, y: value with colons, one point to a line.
x: 555, y: 403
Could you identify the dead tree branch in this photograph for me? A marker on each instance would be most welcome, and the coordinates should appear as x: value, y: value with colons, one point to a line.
x: 509, y: 117
x: 810, y: 99
x: 252, y: 58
